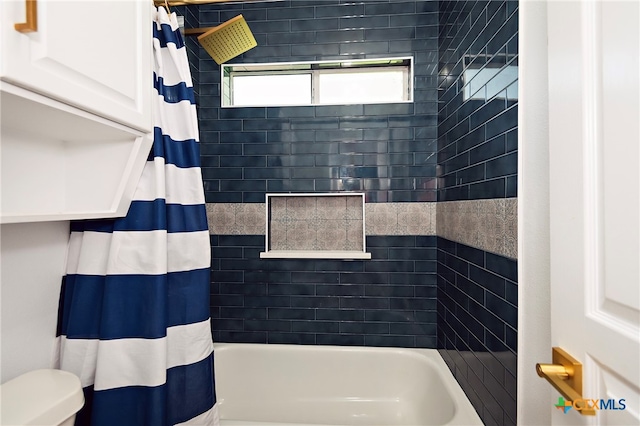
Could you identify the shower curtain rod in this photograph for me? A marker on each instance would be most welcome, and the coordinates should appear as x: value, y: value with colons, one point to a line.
x: 198, y: 31
x: 196, y: 2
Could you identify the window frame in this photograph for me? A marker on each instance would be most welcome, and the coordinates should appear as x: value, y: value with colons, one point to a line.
x: 315, y: 69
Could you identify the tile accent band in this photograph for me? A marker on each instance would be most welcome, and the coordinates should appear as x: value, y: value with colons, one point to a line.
x: 490, y: 225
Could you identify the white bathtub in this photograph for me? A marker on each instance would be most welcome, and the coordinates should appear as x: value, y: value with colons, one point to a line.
x: 336, y: 385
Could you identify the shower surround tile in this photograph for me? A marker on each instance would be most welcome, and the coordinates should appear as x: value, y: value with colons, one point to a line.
x: 236, y: 218
x: 381, y: 218
x: 386, y: 301
x: 387, y: 151
x: 490, y: 225
x: 477, y: 133
x: 400, y: 218
x: 477, y: 219
x: 309, y: 149
x: 477, y: 326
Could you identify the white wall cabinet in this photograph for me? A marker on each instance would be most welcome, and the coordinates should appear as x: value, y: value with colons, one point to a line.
x: 94, y: 55
x: 76, y: 109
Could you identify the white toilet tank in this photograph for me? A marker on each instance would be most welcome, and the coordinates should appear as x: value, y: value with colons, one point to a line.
x: 41, y: 397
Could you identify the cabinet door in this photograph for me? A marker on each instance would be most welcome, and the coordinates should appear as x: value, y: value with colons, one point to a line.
x: 92, y: 54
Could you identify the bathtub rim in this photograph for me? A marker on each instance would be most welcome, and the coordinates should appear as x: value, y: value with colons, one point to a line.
x: 465, y: 414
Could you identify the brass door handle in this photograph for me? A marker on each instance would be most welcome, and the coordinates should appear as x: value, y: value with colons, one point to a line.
x: 32, y: 18
x: 565, y: 375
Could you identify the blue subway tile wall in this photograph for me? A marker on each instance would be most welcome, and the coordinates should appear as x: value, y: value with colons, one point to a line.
x: 477, y: 159
x: 478, y: 326
x: 416, y: 291
x: 387, y: 301
x: 387, y: 151
x: 477, y: 100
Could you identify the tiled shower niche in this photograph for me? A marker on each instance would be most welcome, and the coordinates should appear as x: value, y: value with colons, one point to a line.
x: 315, y: 226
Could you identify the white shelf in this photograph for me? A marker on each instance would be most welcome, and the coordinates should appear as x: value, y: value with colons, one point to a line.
x: 314, y: 254
x: 62, y: 163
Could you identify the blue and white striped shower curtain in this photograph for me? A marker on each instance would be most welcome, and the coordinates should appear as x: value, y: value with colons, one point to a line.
x: 134, y: 320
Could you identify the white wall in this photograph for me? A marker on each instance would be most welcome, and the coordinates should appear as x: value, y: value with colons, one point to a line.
x: 534, y: 323
x: 32, y: 261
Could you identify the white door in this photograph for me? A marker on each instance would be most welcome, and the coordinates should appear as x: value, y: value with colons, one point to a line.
x: 95, y: 55
x: 594, y: 162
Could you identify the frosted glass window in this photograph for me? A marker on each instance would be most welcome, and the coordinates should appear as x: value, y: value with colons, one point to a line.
x: 362, y: 87
x: 280, y: 89
x: 356, y: 81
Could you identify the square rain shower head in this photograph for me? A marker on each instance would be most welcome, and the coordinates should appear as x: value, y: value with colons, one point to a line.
x: 228, y: 40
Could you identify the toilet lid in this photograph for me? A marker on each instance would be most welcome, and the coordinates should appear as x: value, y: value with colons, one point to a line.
x: 40, y: 397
